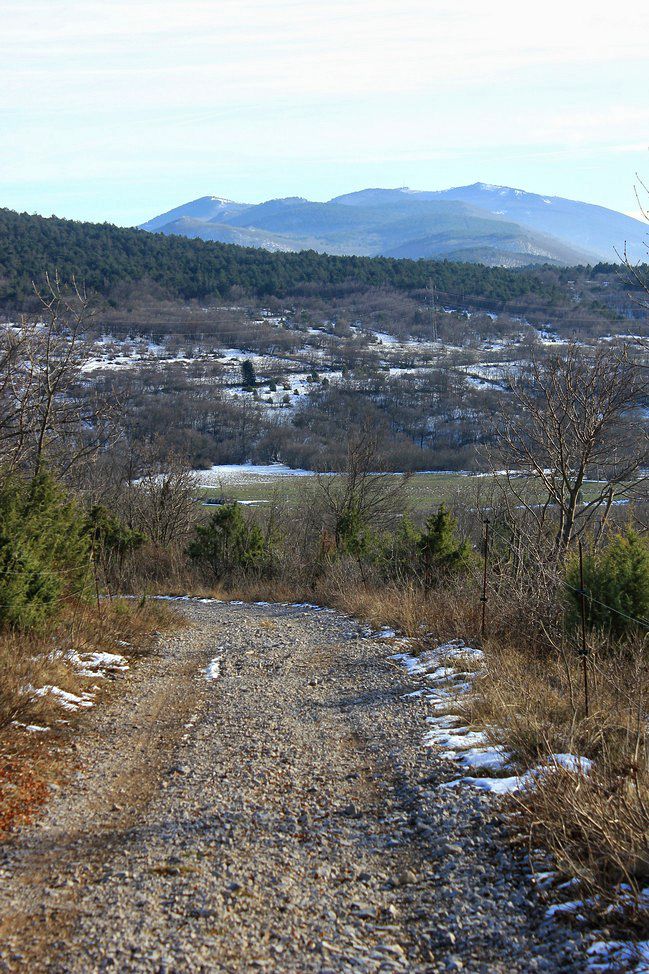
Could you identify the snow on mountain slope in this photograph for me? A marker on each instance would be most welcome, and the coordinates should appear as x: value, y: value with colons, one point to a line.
x: 482, y: 222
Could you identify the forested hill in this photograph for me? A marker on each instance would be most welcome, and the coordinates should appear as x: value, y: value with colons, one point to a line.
x: 107, y: 258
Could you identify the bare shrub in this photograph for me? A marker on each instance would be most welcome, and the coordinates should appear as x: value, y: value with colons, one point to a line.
x: 47, y: 414
x: 573, y: 417
x: 162, y: 504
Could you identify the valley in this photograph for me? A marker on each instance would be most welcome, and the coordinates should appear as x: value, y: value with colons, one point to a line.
x: 236, y: 382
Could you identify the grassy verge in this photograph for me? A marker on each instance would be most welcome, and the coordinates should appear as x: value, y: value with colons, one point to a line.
x: 596, y: 825
x: 31, y: 760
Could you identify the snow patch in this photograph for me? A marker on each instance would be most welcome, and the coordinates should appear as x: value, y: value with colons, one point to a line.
x: 97, y: 665
x: 497, y: 786
x: 31, y: 728
x: 480, y: 758
x: 213, y: 668
x: 67, y: 700
x: 242, y: 472
x: 617, y: 955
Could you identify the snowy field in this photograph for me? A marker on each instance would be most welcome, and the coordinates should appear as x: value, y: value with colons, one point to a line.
x: 242, y: 473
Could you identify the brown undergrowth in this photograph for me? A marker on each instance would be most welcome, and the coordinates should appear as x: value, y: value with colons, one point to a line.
x: 31, y: 761
x: 595, y: 824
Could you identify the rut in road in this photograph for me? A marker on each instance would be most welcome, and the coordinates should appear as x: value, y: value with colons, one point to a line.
x: 279, y: 817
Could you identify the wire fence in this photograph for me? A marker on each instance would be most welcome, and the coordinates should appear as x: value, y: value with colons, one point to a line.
x: 585, y: 600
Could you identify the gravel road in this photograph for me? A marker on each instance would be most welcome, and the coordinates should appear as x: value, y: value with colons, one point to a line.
x: 281, y: 817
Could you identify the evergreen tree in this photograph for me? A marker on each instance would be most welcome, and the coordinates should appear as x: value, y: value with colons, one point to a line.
x: 441, y: 552
x: 249, y: 379
x: 616, y: 577
x: 227, y: 543
x: 44, y: 551
x: 111, y: 540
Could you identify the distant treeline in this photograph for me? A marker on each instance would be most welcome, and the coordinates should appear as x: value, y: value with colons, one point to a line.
x: 105, y: 258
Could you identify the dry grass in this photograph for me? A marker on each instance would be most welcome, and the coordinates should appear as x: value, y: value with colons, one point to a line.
x: 442, y: 614
x: 536, y: 702
x: 596, y: 827
x: 118, y: 621
x: 28, y: 659
x: 530, y: 697
x: 30, y: 761
x: 25, y: 661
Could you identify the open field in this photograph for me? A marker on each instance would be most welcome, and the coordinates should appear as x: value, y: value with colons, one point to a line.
x: 423, y: 491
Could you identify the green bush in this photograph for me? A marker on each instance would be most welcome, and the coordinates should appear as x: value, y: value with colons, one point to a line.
x: 352, y: 534
x: 616, y: 583
x: 44, y: 551
x: 441, y: 552
x: 228, y: 544
x: 112, y: 539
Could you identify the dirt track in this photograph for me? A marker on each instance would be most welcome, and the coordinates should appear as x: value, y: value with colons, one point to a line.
x: 282, y: 817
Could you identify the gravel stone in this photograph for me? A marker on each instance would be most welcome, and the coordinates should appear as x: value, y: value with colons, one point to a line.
x: 281, y: 818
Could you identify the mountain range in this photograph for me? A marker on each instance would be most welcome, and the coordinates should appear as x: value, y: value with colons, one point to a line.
x: 494, y: 225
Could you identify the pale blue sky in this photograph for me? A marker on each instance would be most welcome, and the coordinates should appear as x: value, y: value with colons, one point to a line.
x: 120, y: 109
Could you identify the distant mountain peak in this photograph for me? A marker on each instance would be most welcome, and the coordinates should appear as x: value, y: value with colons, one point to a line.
x: 495, y: 188
x: 483, y: 222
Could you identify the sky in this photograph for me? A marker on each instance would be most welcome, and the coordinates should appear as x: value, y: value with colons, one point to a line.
x: 114, y: 110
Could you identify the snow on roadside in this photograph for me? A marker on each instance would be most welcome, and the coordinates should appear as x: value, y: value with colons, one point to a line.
x: 448, y: 675
x: 98, y: 664
x: 93, y: 665
x: 445, y: 674
x: 30, y: 728
x: 213, y: 668
x: 65, y: 699
x: 617, y: 955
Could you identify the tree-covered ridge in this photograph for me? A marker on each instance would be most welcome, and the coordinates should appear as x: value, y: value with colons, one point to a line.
x: 103, y: 256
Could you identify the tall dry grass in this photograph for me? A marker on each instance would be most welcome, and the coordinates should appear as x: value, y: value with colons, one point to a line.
x: 32, y: 660
x: 596, y: 826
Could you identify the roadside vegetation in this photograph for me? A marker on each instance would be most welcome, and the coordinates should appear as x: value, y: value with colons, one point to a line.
x: 94, y: 506
x: 62, y: 644
x: 566, y: 665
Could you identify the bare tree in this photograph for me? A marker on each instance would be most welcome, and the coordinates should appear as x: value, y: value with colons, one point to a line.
x: 49, y: 411
x: 638, y: 275
x: 162, y: 503
x: 573, y: 424
x: 15, y: 384
x: 363, y: 495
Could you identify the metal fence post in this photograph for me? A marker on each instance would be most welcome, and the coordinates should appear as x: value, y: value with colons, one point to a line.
x: 484, y: 576
x: 584, y: 645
